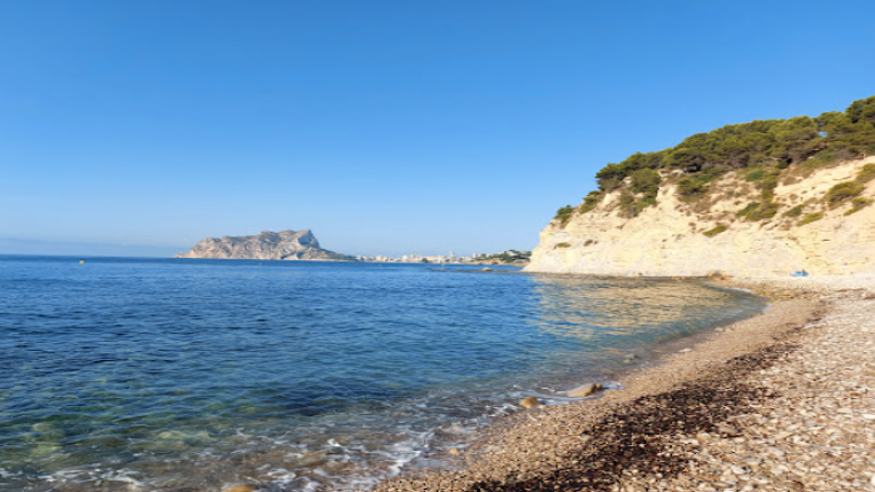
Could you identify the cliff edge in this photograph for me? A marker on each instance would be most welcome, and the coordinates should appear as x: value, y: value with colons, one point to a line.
x: 763, y: 199
x: 679, y: 238
x: 283, y: 245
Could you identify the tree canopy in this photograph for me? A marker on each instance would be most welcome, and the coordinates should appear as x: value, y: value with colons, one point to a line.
x: 777, y: 143
x: 762, y: 148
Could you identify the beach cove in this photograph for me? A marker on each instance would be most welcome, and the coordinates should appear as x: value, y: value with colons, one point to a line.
x: 778, y: 402
x: 183, y: 375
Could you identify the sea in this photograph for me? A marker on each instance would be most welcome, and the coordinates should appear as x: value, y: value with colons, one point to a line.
x: 185, y: 375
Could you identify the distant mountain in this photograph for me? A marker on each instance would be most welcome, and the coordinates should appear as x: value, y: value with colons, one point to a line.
x: 283, y: 245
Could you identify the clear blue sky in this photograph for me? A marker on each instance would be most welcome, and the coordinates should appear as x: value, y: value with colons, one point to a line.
x: 140, y: 127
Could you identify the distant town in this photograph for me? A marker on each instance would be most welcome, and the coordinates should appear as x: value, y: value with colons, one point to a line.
x: 509, y: 257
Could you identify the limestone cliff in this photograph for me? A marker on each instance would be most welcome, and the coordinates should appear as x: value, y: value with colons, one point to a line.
x: 284, y: 245
x: 809, y: 224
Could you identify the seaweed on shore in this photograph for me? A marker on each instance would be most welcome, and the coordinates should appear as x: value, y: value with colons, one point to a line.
x: 637, y: 438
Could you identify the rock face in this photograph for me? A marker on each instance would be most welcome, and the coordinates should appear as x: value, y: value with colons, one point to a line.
x: 679, y: 238
x: 531, y: 402
x: 284, y: 245
x: 585, y: 390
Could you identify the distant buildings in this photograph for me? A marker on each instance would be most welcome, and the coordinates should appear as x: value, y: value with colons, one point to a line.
x: 413, y: 258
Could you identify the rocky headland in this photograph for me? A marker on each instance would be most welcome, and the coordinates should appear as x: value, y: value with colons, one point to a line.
x: 283, y: 245
x: 679, y: 237
x: 766, y: 198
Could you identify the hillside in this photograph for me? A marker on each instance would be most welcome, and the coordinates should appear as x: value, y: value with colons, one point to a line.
x: 283, y: 245
x: 765, y: 198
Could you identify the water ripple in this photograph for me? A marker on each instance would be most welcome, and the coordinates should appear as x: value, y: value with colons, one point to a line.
x: 187, y: 374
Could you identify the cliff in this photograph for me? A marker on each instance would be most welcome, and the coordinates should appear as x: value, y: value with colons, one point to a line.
x: 284, y: 245
x: 813, y: 218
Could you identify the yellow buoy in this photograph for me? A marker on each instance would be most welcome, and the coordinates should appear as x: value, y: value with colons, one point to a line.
x: 81, y: 262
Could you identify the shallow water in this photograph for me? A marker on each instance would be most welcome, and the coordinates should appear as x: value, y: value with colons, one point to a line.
x: 143, y: 374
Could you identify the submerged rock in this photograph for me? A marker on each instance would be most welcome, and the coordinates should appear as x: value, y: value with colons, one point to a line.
x: 585, y: 390
x: 530, y: 402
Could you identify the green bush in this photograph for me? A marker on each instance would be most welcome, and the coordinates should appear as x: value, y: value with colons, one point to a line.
x: 562, y: 245
x: 842, y: 192
x: 590, y: 201
x: 646, y: 181
x: 631, y: 207
x: 757, y: 211
x: 756, y: 175
x: 716, y: 230
x: 795, y: 211
x: 743, y: 213
x: 563, y: 215
x: 766, y: 211
x: 811, y: 218
x: 769, y: 144
x: 866, y: 174
x: 822, y: 158
x: 768, y: 184
x: 857, y: 204
x: 689, y: 187
x: 509, y: 256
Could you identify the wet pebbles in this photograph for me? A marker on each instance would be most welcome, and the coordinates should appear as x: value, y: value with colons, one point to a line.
x: 779, y: 402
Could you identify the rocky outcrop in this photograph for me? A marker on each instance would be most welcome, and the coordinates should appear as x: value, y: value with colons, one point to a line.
x: 585, y: 390
x: 283, y: 245
x: 531, y: 402
x: 679, y: 237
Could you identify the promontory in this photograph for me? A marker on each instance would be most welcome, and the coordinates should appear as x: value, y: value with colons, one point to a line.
x: 283, y: 245
x: 769, y: 198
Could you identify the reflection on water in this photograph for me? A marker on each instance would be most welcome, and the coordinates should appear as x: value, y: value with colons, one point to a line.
x: 144, y: 375
x: 606, y: 320
x: 582, y: 306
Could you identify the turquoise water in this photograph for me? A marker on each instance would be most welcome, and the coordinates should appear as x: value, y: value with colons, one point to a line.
x: 154, y: 374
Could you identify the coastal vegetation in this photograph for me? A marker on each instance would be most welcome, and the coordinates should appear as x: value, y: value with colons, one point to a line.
x: 811, y: 218
x: 508, y: 257
x: 762, y: 153
x: 716, y: 230
x: 795, y: 211
x: 857, y: 204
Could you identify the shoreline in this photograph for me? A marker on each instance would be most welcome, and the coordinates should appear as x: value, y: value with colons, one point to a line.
x: 663, y: 430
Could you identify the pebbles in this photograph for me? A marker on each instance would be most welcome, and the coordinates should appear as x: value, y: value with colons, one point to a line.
x: 781, y: 402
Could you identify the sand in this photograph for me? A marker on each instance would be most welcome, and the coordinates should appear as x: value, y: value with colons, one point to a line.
x: 782, y: 401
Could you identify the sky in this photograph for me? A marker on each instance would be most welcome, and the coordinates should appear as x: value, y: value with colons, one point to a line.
x: 138, y: 128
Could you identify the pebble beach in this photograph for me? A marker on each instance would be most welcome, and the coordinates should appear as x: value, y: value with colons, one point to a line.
x: 783, y: 401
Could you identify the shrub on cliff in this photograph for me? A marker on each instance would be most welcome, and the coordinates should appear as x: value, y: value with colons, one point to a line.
x: 646, y: 181
x: 764, y: 143
x: 811, y: 218
x: 842, y: 192
x: 757, y: 211
x: 795, y: 211
x: 590, y: 201
x: 716, y: 230
x: 858, y: 204
x: 866, y: 174
x: 563, y: 215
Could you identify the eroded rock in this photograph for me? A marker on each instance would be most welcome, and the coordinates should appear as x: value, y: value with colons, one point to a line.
x: 585, y: 390
x: 531, y: 402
